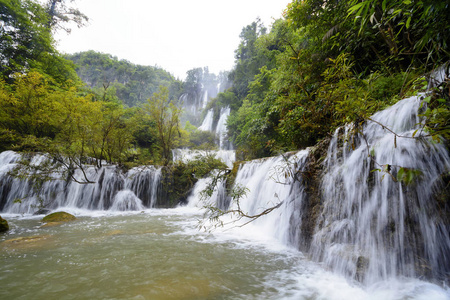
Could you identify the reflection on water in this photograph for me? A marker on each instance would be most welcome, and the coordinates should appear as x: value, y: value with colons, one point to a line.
x: 159, y: 254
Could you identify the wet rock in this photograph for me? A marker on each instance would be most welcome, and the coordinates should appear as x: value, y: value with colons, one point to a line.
x: 26, y: 243
x: 3, y: 225
x: 58, y: 217
x: 362, y: 264
x: 42, y: 211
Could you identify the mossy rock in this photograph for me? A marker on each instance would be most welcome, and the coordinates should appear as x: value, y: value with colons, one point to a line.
x: 3, y: 225
x: 59, y: 217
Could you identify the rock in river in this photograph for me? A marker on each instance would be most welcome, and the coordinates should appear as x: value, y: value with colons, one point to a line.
x: 58, y: 217
x: 3, y: 225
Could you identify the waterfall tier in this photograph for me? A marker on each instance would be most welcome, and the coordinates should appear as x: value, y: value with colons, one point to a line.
x: 111, y: 190
x: 356, y: 217
x: 367, y: 224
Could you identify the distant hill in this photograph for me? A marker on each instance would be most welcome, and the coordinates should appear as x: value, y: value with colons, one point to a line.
x: 133, y: 84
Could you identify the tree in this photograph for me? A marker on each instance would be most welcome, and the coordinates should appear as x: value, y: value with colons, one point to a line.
x: 166, y: 116
x: 133, y: 84
x: 248, y: 61
x: 59, y: 12
x: 414, y: 33
x: 23, y: 36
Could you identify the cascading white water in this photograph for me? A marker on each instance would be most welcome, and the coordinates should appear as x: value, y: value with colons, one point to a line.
x: 25, y: 196
x: 221, y: 128
x: 207, y: 124
x: 270, y: 182
x: 371, y: 226
x: 126, y: 200
x: 205, y: 99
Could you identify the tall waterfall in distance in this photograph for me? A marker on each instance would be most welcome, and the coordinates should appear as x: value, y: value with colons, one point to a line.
x: 207, y: 124
x: 221, y: 129
x: 205, y: 99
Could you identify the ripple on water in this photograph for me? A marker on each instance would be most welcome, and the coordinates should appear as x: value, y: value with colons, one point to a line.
x: 158, y: 256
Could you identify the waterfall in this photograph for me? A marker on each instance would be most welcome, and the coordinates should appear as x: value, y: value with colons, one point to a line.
x: 367, y: 225
x: 221, y: 129
x: 270, y: 182
x: 364, y: 223
x: 112, y: 189
x: 372, y: 227
x: 207, y: 124
x: 205, y: 99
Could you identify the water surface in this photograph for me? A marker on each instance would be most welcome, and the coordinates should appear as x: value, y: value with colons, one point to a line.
x: 160, y: 254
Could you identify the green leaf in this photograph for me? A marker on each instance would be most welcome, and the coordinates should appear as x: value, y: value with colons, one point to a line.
x: 408, y: 22
x: 355, y: 7
x: 372, y: 18
x: 396, y: 12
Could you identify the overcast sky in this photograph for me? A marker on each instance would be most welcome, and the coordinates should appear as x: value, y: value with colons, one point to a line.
x: 176, y: 35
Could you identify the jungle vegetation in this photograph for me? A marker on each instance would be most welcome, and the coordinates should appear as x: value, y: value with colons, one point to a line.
x: 324, y: 64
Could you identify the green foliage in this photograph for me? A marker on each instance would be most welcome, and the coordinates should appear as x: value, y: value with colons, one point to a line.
x: 37, y: 116
x: 23, y: 35
x: 437, y: 112
x: 412, y: 32
x: 330, y: 63
x: 26, y: 42
x: 166, y: 116
x: 407, y: 176
x: 132, y: 84
x: 249, y: 58
x: 180, y: 177
x: 59, y: 12
x: 202, y: 140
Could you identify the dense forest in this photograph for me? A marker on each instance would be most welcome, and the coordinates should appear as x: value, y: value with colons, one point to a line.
x: 132, y: 84
x: 328, y: 63
x: 324, y: 64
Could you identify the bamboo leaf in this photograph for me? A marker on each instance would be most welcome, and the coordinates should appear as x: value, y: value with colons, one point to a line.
x: 408, y: 22
x: 372, y: 17
x: 352, y: 9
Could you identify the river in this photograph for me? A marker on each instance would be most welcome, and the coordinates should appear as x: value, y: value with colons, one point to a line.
x: 161, y: 254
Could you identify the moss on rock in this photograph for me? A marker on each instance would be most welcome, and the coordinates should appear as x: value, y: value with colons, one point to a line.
x: 59, y: 217
x: 3, y: 225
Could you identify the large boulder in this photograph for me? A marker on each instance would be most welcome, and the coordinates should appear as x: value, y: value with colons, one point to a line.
x: 58, y: 217
x: 3, y: 225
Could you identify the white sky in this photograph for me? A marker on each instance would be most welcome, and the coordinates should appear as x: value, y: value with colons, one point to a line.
x: 176, y: 35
